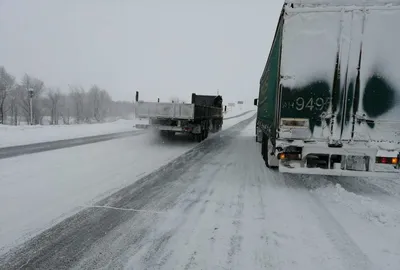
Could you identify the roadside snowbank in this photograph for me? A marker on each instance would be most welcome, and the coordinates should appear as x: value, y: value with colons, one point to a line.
x: 363, y: 206
x: 20, y: 135
x: 367, y: 213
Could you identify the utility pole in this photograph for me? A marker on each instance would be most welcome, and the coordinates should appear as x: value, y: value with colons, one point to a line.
x: 30, y: 91
x: 135, y: 104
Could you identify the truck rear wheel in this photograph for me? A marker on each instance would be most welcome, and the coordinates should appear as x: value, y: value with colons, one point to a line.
x: 198, y: 137
x: 264, y: 149
x: 270, y: 160
x: 258, y: 135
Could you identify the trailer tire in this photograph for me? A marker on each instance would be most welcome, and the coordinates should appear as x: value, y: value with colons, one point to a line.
x: 266, y: 153
x: 268, y: 158
x: 198, y: 137
x: 258, y: 135
x: 264, y: 150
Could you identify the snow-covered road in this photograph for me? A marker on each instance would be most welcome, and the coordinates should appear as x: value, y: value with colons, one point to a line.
x: 218, y: 207
x: 44, y: 188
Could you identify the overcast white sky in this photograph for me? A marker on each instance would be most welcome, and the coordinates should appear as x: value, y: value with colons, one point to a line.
x: 161, y: 48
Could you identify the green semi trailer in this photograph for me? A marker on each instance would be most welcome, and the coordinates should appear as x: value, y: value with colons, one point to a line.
x: 329, y: 96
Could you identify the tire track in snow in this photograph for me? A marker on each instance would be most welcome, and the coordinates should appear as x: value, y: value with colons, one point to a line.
x: 352, y: 255
x: 237, y: 238
x: 186, y: 203
x: 239, y: 115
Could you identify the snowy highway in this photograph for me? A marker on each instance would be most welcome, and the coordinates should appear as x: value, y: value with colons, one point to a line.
x: 210, y: 206
x: 43, y: 188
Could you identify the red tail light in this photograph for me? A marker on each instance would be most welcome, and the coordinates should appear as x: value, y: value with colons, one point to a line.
x: 289, y: 156
x: 387, y: 160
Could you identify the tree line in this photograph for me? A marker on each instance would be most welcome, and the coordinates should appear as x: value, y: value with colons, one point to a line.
x: 53, y: 106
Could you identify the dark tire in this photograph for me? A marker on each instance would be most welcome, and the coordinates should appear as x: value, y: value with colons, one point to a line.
x: 198, y: 137
x: 262, y: 150
x: 265, y: 149
x: 163, y: 134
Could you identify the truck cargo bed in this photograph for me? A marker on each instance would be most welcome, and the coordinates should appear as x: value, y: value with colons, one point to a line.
x: 176, y: 111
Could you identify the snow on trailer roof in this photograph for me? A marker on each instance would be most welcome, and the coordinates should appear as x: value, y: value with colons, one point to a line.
x: 333, y: 3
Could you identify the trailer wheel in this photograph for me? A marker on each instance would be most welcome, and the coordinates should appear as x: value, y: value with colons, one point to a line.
x: 270, y: 160
x: 262, y: 148
x: 258, y: 135
x: 198, y: 137
x: 265, y: 149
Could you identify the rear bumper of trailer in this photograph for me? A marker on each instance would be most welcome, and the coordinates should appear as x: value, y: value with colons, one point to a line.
x: 348, y: 160
x: 338, y: 172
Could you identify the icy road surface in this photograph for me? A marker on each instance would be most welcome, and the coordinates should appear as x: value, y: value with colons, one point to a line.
x: 42, y: 189
x: 219, y: 207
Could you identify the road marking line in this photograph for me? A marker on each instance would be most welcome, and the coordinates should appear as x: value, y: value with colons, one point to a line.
x: 126, y: 209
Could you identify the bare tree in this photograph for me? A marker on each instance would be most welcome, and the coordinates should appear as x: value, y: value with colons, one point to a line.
x: 105, y: 104
x: 15, y: 100
x: 77, y: 95
x: 54, y: 97
x: 7, y: 82
x: 65, y: 108
x: 99, y: 102
x: 13, y: 106
x: 94, y: 102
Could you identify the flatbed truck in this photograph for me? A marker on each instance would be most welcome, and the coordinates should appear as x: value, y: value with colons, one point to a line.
x: 203, y: 115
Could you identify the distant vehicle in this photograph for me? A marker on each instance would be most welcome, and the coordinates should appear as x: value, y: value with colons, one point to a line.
x: 240, y: 102
x: 203, y: 115
x: 329, y: 99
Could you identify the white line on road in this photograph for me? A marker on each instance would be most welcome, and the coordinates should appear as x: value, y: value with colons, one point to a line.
x: 126, y: 209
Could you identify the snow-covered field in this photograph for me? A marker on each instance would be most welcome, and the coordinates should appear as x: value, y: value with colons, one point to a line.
x: 42, y: 189
x: 20, y: 135
x: 238, y: 109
